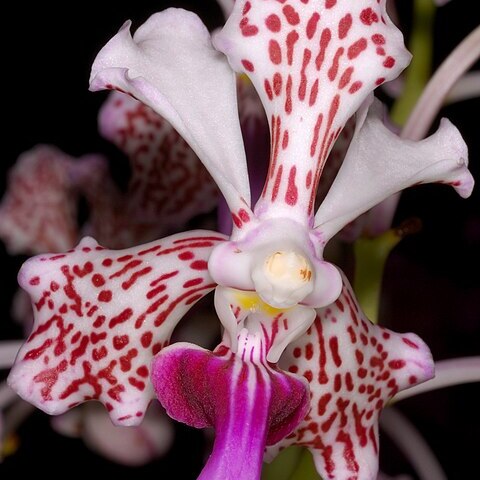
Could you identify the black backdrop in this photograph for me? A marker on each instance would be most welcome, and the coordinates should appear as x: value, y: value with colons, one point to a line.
x: 432, y: 283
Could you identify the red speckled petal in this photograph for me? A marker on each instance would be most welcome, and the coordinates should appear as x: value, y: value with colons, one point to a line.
x: 313, y: 63
x: 38, y: 211
x: 100, y: 316
x: 379, y: 163
x: 108, y: 220
x: 169, y: 183
x: 353, y: 368
x: 171, y: 65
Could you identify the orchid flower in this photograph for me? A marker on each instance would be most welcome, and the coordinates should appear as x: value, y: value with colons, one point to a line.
x: 101, y: 315
x: 39, y: 213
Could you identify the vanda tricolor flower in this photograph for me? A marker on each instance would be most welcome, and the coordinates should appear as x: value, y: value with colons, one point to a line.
x: 101, y: 315
x: 38, y: 213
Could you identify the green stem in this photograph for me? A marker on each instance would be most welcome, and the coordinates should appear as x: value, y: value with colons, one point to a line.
x: 419, y: 70
x: 306, y: 468
x: 371, y: 254
x: 293, y: 463
x: 284, y: 465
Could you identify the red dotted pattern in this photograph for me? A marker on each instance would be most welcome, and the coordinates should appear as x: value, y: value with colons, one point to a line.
x: 313, y: 63
x: 353, y: 368
x: 168, y: 180
x: 38, y: 211
x: 100, y: 316
x: 109, y: 220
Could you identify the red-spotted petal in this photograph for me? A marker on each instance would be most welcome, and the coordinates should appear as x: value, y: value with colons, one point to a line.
x: 313, y: 63
x: 171, y: 65
x: 353, y: 368
x: 379, y: 163
x: 38, y: 212
x: 100, y: 316
x: 169, y: 184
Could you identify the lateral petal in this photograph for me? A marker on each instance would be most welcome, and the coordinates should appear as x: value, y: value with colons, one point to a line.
x: 100, y: 316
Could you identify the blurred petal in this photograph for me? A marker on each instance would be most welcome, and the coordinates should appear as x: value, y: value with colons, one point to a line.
x: 69, y: 424
x: 379, y: 164
x: 107, y: 221
x: 353, y: 368
x: 8, y: 352
x: 312, y: 66
x: 133, y: 446
x: 455, y: 65
x: 22, y: 312
x: 7, y: 395
x: 412, y: 444
x: 226, y: 6
x: 100, y: 316
x: 384, y: 476
x: 171, y: 66
x: 441, y: 3
x: 38, y: 211
x: 466, y: 88
x: 169, y: 184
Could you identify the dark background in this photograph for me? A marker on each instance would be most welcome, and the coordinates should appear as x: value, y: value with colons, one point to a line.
x: 432, y: 282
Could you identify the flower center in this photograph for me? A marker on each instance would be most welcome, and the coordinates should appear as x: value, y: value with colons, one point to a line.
x: 284, y: 279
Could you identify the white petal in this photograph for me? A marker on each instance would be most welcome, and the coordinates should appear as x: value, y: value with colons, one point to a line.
x: 379, y: 164
x: 171, y: 66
